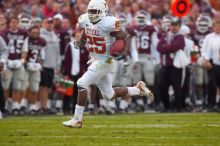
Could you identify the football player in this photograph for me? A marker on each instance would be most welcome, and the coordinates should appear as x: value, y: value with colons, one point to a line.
x: 36, y: 21
x: 165, y: 23
x: 35, y: 57
x: 145, y: 41
x: 24, y: 23
x: 123, y: 71
x: 14, y: 37
x: 99, y: 31
x: 203, y: 24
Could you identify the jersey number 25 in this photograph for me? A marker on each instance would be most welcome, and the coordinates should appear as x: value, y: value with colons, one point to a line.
x: 96, y: 44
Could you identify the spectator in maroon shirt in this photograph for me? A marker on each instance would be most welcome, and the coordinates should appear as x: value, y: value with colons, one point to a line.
x: 60, y: 32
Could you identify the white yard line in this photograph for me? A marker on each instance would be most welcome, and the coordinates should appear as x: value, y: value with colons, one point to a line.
x: 138, y: 126
x: 117, y: 137
x: 98, y: 144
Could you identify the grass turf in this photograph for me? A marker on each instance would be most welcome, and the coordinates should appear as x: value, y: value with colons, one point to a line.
x: 189, y: 129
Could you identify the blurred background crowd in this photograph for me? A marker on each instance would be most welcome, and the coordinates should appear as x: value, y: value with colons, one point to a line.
x: 39, y: 36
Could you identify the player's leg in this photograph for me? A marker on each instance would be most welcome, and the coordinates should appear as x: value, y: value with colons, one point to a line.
x: 24, y: 93
x: 137, y: 76
x: 149, y: 78
x: 123, y: 105
x: 34, y: 80
x: 101, y: 102
x: 90, y: 77
x: 199, y: 80
x: 105, y: 86
x: 149, y: 72
x: 125, y: 75
x: 17, y: 86
x: 125, y: 80
x: 6, y: 80
x: 92, y: 99
x: 107, y: 92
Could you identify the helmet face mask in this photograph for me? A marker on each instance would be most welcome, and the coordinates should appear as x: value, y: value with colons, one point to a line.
x: 123, y: 20
x: 141, y: 20
x: 165, y: 25
x: 97, y: 9
x: 202, y: 27
x: 166, y: 22
x: 94, y: 15
x: 24, y: 23
x: 142, y: 17
x: 203, y: 23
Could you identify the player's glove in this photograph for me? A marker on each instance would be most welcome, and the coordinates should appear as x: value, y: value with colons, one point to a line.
x: 119, y: 56
x: 33, y: 66
x: 14, y: 64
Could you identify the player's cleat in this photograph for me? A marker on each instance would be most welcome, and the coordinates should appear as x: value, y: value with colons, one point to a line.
x: 73, y: 123
x: 144, y: 90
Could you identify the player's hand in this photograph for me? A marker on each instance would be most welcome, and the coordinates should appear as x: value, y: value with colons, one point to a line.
x: 119, y: 56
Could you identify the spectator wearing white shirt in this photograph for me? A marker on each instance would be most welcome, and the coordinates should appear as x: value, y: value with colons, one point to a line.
x: 211, y: 54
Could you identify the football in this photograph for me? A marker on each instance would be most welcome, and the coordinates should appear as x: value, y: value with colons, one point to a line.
x: 117, y: 47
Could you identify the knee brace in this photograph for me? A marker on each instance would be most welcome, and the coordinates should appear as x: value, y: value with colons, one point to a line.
x: 81, y: 85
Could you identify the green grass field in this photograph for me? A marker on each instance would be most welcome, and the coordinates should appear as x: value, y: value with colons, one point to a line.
x: 116, y: 130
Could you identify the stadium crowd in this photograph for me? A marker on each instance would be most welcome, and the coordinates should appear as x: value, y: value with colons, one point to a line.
x: 37, y: 53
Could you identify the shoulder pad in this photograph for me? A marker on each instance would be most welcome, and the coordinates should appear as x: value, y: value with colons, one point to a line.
x: 112, y: 23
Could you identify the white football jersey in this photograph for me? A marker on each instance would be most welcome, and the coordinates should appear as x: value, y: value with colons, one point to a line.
x: 98, y: 35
